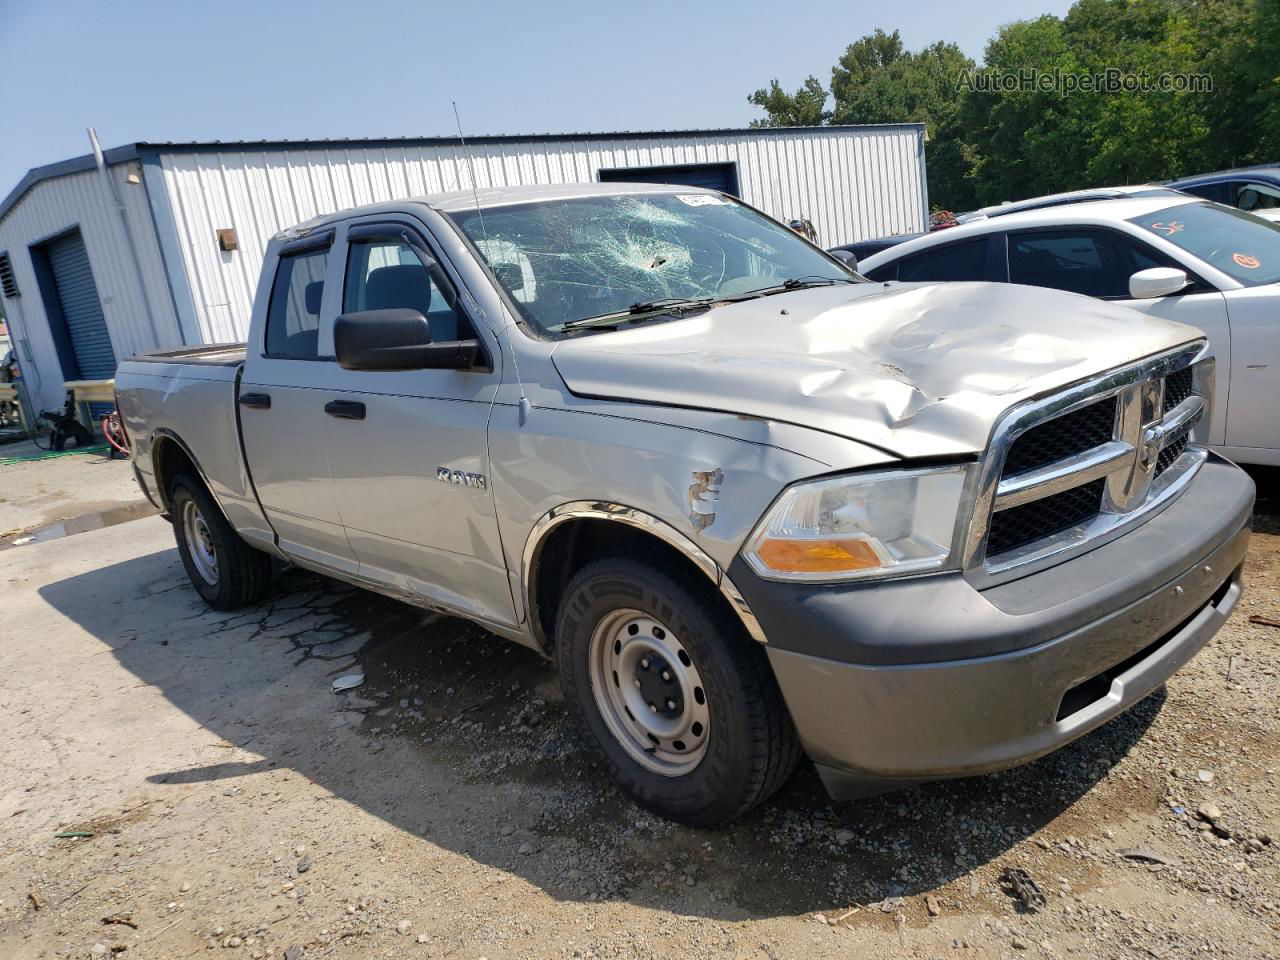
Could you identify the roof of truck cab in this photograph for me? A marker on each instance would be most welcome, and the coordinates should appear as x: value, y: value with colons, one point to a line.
x: 460, y: 201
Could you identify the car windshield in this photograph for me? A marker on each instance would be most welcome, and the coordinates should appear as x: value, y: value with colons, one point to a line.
x: 570, y: 259
x: 1242, y: 246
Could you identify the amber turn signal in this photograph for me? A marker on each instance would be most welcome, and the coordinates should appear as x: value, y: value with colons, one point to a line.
x: 818, y: 556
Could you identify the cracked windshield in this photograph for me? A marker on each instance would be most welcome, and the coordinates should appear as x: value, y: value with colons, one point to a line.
x: 605, y: 260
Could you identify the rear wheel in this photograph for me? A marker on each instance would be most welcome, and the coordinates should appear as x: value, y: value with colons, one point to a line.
x: 682, y: 705
x: 226, y: 571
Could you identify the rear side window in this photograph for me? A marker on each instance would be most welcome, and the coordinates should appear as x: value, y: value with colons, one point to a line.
x: 385, y: 274
x: 293, y: 315
x: 954, y: 261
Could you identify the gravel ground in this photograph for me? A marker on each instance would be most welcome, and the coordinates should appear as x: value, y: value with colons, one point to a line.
x: 446, y: 809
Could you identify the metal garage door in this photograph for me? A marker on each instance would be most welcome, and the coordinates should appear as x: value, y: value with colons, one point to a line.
x: 716, y: 176
x: 81, y: 309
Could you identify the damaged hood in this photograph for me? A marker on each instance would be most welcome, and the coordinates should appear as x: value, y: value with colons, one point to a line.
x: 915, y: 369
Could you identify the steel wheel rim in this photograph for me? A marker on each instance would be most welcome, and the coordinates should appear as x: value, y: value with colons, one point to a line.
x: 649, y: 692
x: 199, y: 543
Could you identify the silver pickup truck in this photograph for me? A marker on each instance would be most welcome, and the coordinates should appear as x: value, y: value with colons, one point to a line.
x: 751, y: 504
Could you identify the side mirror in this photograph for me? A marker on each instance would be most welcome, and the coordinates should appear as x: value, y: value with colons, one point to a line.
x: 847, y: 258
x: 510, y: 276
x: 397, y: 339
x: 1157, y: 282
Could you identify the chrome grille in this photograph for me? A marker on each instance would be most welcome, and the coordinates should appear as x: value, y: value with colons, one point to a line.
x: 1062, y: 437
x: 1177, y: 387
x: 1070, y: 470
x: 1019, y: 526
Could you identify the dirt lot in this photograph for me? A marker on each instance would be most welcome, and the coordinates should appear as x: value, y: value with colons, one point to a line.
x: 445, y: 809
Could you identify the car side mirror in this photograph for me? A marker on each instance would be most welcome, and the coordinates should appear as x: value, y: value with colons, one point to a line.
x: 1157, y: 282
x: 397, y: 339
x: 510, y: 276
x: 847, y: 257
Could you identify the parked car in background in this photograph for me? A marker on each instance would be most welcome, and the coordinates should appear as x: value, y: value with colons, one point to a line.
x: 1066, y: 199
x: 861, y: 249
x: 1253, y: 189
x: 748, y: 502
x: 1177, y: 257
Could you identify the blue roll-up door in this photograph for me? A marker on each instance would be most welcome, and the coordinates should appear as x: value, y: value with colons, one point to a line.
x: 715, y: 176
x: 81, y: 308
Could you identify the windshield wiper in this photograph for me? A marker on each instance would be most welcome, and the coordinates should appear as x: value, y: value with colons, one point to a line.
x: 676, y: 306
x: 797, y: 283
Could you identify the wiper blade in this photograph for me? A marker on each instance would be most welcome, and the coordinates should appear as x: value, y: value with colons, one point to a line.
x: 793, y: 283
x: 672, y: 305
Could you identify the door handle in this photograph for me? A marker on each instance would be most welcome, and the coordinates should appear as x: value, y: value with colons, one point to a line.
x: 258, y: 401
x: 345, y: 409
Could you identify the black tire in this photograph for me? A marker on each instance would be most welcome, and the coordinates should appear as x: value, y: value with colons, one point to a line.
x: 242, y: 575
x: 751, y: 744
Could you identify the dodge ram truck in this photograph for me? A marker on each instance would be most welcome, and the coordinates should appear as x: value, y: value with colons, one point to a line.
x: 752, y: 505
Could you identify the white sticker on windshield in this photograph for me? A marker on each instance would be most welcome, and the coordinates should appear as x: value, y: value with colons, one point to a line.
x: 701, y: 199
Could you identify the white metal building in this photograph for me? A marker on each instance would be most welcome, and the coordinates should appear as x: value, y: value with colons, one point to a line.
x: 162, y: 245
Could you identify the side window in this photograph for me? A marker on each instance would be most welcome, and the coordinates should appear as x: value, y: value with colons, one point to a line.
x: 1217, y: 192
x: 293, y: 313
x: 888, y: 272
x: 953, y: 261
x: 1250, y: 195
x: 385, y: 274
x: 1078, y: 261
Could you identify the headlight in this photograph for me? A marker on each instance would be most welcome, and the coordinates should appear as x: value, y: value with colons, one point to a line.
x: 862, y: 525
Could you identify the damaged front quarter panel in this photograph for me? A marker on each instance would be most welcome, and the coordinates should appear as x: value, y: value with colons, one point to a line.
x: 704, y: 494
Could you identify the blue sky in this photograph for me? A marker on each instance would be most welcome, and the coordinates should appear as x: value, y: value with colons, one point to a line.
x: 270, y: 69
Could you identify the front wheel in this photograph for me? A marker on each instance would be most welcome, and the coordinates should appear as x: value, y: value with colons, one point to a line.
x: 682, y: 705
x: 226, y: 571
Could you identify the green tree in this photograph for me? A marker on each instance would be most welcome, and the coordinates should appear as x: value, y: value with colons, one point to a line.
x: 804, y: 108
x: 878, y: 81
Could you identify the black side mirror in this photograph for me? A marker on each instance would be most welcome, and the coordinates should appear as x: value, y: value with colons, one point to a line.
x: 398, y: 339
x: 510, y: 276
x: 847, y: 258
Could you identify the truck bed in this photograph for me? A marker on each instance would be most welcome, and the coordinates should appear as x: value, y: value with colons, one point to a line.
x: 211, y: 355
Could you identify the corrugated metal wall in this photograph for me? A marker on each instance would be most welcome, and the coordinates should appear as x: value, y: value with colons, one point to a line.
x: 82, y: 199
x: 852, y: 183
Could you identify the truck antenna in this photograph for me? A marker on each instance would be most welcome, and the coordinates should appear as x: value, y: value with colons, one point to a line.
x: 525, y: 406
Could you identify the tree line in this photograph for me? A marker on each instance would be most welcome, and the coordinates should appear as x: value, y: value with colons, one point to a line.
x: 1114, y: 92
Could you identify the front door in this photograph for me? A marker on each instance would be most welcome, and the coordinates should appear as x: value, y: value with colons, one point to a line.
x: 1252, y: 421
x: 281, y: 407
x: 408, y: 449
x: 1099, y: 262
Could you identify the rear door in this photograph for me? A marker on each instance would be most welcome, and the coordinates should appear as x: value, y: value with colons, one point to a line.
x: 281, y: 404
x: 408, y: 449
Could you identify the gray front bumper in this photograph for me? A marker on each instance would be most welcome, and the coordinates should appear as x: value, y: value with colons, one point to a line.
x: 872, y: 727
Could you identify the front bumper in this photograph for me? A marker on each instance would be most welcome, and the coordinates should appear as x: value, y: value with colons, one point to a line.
x: 982, y: 680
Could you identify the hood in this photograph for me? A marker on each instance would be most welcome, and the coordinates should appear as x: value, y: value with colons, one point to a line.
x: 917, y: 370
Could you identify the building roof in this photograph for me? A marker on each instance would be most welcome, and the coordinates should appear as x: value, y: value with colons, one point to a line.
x: 143, y: 149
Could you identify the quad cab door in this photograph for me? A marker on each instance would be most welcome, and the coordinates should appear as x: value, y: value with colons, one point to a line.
x: 408, y: 450
x: 280, y: 404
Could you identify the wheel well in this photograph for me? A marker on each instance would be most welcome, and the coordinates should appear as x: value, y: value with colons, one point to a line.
x: 575, y: 543
x: 171, y: 460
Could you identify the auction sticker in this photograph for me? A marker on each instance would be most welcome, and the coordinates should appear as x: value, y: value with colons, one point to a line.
x: 701, y: 199
x: 1246, y: 261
